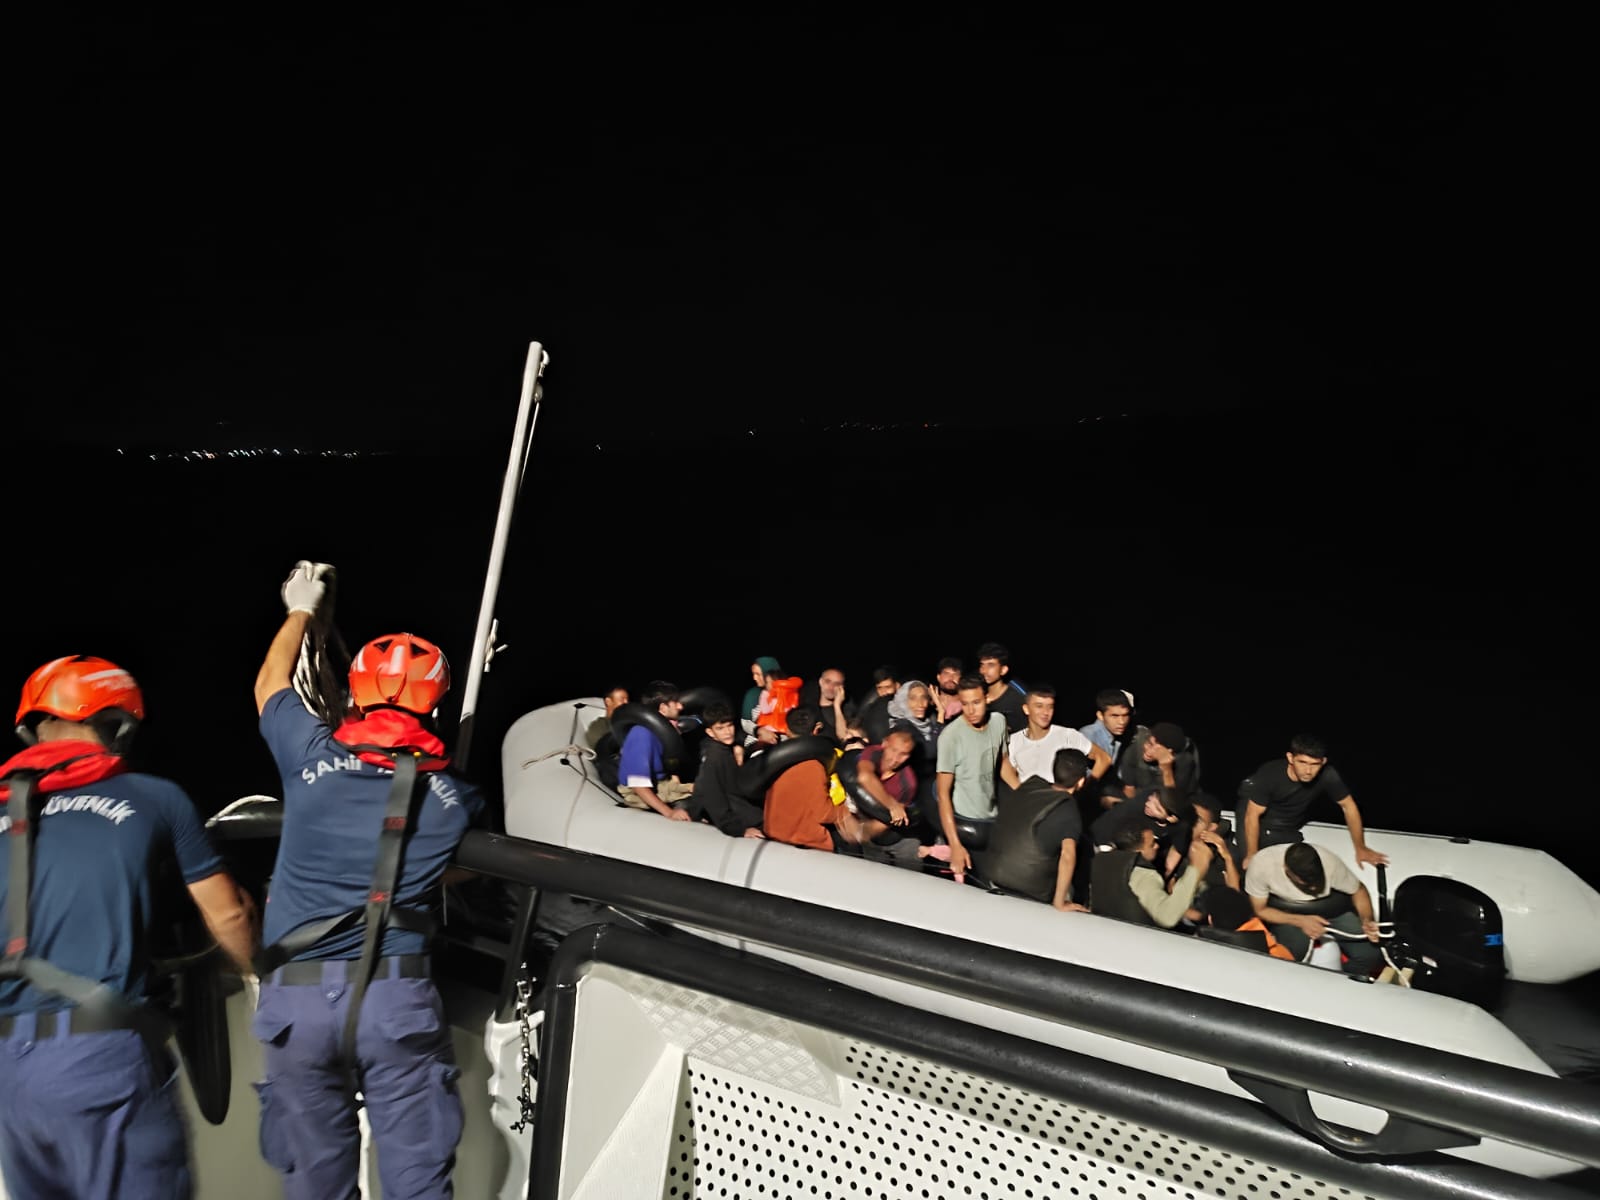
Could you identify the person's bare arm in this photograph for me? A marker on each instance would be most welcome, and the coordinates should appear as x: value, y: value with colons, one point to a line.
x: 1358, y: 837
x: 1362, y: 902
x: 960, y: 860
x: 1230, y: 869
x: 1066, y: 864
x: 648, y: 795
x: 1310, y: 924
x: 1252, y: 829
x: 1099, y: 762
x: 841, y: 727
x: 870, y: 782
x: 277, y: 669
x: 229, y: 914
x: 1008, y: 772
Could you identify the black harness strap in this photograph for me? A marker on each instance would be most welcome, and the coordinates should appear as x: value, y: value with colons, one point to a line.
x: 93, y: 997
x: 406, y: 794
x: 399, y: 818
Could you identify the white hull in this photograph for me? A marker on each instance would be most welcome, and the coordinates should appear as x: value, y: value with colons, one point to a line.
x: 550, y: 798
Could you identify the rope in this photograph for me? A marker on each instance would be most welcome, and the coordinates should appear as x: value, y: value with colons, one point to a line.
x: 580, y: 751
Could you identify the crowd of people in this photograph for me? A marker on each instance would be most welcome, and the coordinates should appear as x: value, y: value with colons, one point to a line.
x: 346, y: 1010
x: 968, y: 774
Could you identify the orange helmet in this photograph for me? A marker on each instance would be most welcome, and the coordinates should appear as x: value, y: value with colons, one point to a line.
x: 82, y: 688
x: 400, y: 670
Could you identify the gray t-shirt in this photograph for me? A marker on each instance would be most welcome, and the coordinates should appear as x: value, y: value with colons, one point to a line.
x: 1266, y: 877
x: 973, y: 757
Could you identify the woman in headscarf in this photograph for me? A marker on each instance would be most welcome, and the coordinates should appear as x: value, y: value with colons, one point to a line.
x: 912, y: 708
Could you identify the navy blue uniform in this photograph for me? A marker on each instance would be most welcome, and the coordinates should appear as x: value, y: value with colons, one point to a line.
x: 91, y: 1114
x: 334, y: 806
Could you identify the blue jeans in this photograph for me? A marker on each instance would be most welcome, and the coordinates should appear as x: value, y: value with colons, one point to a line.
x: 89, y: 1116
x: 407, y: 1077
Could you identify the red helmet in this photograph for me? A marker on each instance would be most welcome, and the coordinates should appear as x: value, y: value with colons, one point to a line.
x: 402, y: 670
x: 81, y: 688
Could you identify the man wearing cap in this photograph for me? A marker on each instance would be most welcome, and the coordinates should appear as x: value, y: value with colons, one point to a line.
x: 1160, y: 757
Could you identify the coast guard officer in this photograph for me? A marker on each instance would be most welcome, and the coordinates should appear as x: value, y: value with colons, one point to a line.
x: 87, y: 1106
x: 372, y: 816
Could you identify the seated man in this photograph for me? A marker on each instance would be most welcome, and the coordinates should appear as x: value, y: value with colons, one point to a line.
x: 716, y: 794
x: 642, y: 769
x: 1033, y: 848
x: 600, y: 731
x: 1126, y: 885
x: 798, y: 807
x: 1161, y: 756
x: 1159, y: 810
x: 884, y: 773
x: 1285, y: 878
x: 827, y: 696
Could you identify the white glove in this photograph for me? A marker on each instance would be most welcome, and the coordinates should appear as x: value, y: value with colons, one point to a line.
x: 307, y: 587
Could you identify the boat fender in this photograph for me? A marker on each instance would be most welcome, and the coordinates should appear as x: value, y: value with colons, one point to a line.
x: 248, y: 818
x: 697, y: 699
x: 866, y: 806
x: 633, y: 713
x: 759, y: 770
x: 1331, y: 905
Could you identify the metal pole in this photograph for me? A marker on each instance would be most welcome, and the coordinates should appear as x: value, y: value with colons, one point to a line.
x: 483, y: 640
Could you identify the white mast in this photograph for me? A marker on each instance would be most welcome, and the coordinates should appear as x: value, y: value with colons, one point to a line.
x: 483, y: 641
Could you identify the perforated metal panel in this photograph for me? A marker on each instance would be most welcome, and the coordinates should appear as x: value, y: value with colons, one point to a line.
x: 889, y: 1125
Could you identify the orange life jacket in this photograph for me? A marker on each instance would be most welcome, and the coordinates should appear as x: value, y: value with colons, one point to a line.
x: 781, y: 695
x: 1274, y: 947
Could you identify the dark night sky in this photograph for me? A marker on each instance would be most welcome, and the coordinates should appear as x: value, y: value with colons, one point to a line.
x: 1348, y: 256
x: 960, y: 218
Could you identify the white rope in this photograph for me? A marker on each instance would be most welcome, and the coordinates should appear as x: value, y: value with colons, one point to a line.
x: 580, y: 751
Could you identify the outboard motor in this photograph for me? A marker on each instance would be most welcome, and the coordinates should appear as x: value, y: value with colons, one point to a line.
x: 1453, y: 936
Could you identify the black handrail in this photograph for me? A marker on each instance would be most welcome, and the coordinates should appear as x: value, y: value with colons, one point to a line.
x: 1223, y: 1123
x: 1432, y: 1087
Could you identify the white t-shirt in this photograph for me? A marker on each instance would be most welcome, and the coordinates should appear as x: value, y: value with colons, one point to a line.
x: 1038, y: 757
x: 1265, y: 875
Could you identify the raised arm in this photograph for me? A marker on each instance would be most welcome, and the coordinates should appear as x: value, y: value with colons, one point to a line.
x: 277, y: 669
x: 304, y: 592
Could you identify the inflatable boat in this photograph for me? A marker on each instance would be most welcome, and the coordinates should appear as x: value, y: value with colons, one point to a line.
x: 555, y: 794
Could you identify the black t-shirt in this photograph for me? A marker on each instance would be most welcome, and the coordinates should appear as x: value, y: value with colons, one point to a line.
x: 811, y: 694
x: 1009, y: 706
x: 1063, y: 823
x: 1288, y: 801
